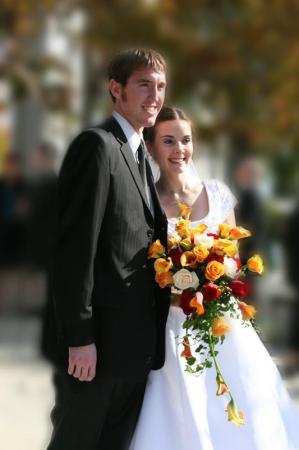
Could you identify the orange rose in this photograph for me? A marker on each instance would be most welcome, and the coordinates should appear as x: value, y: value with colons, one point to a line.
x: 183, y: 228
x: 155, y: 250
x: 214, y: 270
x: 185, y: 211
x: 239, y: 233
x: 162, y: 265
x: 201, y: 253
x: 164, y: 279
x: 223, y: 230
x: 220, y: 326
x: 224, y: 247
x: 188, y: 259
x: 248, y: 311
x: 255, y: 264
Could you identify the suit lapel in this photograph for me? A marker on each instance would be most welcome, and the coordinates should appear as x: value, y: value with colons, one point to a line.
x: 128, y: 155
x: 112, y: 125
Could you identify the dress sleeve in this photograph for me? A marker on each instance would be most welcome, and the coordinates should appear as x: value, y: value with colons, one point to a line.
x: 227, y: 199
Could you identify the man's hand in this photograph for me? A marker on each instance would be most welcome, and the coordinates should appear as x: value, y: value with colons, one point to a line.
x: 82, y: 362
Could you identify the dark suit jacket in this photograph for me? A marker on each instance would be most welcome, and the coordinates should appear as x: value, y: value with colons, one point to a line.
x: 103, y: 283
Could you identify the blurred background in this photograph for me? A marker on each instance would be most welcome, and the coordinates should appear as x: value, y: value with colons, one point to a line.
x: 233, y: 66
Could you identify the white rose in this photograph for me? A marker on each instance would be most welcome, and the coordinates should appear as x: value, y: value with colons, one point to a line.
x: 203, y: 240
x: 230, y: 267
x: 184, y: 279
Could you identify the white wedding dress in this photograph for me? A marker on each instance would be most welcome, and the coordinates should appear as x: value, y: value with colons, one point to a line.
x: 182, y: 412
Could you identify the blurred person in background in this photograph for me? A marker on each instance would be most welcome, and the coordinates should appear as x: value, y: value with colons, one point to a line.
x: 249, y: 211
x: 43, y: 182
x: 14, y: 212
x: 43, y: 186
x: 291, y: 241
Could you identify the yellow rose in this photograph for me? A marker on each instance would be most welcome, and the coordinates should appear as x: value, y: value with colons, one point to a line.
x: 183, y: 228
x: 164, y: 279
x: 223, y: 230
x: 185, y: 211
x: 255, y: 264
x: 163, y: 265
x: 188, y: 259
x: 155, y: 250
x: 235, y: 416
x: 224, y: 247
x: 220, y: 326
x: 214, y: 270
x: 201, y: 253
x: 239, y: 233
x: 248, y: 311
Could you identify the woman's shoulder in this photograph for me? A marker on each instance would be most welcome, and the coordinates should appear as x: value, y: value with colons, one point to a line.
x: 217, y: 186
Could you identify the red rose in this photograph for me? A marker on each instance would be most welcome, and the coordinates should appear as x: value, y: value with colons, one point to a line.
x: 210, y: 292
x: 215, y: 236
x: 239, y: 288
x: 214, y: 257
x: 175, y: 255
x: 185, y: 299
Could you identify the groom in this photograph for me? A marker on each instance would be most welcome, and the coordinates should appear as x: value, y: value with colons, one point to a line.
x: 109, y: 313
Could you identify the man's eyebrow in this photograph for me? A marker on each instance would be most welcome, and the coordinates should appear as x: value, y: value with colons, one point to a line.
x: 147, y: 80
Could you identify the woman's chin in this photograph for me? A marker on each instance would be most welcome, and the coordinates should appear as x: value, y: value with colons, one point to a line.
x: 177, y: 168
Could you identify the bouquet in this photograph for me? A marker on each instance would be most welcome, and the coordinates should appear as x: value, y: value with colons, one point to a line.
x: 206, y: 275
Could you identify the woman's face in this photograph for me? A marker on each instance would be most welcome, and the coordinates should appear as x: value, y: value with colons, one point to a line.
x: 172, y: 147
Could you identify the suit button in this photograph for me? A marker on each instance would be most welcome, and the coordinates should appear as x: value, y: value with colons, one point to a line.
x: 144, y: 266
x: 150, y: 233
x: 128, y: 283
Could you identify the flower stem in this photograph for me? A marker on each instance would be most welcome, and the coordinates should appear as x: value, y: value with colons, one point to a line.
x: 218, y: 370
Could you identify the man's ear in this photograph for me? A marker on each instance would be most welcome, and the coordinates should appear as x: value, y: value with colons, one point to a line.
x: 115, y: 88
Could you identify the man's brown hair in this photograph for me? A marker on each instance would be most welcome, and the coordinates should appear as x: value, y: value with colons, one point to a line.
x: 125, y: 63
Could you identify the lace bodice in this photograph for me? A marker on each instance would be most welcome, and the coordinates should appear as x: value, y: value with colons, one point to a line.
x: 221, y: 203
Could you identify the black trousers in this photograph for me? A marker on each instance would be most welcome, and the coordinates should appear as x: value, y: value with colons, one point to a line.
x: 97, y: 415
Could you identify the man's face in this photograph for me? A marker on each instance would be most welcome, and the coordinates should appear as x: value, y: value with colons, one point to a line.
x: 141, y: 99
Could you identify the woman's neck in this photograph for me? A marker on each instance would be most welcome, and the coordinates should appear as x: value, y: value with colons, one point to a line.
x: 172, y: 184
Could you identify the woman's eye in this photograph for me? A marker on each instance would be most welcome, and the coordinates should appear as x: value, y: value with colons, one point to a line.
x: 186, y: 140
x: 168, y: 141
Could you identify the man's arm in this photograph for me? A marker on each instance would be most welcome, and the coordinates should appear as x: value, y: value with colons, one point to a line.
x: 82, y: 197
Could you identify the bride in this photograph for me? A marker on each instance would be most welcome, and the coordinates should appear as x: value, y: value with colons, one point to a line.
x: 181, y: 411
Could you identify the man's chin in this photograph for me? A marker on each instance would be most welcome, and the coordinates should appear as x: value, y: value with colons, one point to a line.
x: 150, y: 122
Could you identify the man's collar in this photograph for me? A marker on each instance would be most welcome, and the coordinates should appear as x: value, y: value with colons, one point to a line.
x: 131, y: 135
